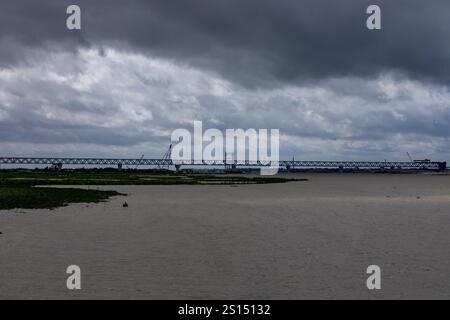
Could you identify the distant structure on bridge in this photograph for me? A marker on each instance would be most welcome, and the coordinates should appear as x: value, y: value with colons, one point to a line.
x: 233, y: 164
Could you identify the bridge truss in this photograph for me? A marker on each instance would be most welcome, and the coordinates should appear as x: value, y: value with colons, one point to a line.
x: 168, y: 162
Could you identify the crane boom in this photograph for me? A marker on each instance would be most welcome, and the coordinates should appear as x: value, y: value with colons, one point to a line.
x: 409, y: 156
x: 140, y: 159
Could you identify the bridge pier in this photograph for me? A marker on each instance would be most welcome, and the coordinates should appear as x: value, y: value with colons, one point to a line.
x: 57, y: 166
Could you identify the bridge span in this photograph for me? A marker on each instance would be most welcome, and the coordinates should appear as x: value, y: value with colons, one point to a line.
x: 288, y: 164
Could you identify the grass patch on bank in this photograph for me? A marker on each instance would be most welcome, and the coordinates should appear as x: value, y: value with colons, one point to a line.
x: 28, y: 197
x: 128, y: 178
x: 21, y: 189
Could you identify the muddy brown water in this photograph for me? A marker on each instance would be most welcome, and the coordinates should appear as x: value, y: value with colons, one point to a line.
x: 299, y: 240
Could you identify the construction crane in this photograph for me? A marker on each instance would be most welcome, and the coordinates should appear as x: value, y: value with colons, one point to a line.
x: 418, y: 161
x: 166, y: 156
x: 139, y: 162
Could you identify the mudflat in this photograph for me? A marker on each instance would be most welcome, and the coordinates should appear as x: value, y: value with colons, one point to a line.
x: 297, y: 240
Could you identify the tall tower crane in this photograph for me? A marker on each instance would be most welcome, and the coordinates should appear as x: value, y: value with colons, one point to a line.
x: 166, y: 156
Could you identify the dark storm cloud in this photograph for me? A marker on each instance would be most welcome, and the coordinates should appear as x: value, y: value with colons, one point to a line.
x: 253, y: 42
x: 139, y: 69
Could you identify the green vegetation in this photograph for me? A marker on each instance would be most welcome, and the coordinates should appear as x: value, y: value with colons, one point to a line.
x: 12, y: 197
x: 32, y: 178
x: 20, y: 189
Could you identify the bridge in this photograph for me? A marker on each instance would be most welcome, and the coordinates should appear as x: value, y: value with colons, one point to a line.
x: 414, y: 165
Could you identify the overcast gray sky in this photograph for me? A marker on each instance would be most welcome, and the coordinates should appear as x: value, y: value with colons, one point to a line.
x: 139, y: 69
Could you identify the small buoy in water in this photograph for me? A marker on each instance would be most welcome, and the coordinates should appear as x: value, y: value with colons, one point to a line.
x: 125, y: 205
